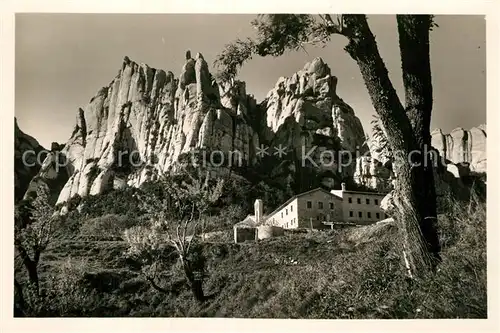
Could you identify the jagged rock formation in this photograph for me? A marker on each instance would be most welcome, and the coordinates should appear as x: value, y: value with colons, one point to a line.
x: 304, y: 114
x: 139, y: 126
x: 309, y: 97
x: 146, y: 122
x: 371, y: 173
x: 463, y: 146
x: 150, y: 114
x: 28, y: 158
x: 52, y: 176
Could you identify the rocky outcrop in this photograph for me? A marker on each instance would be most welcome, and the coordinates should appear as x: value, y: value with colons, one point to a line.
x: 460, y: 152
x: 372, y: 174
x: 463, y: 146
x: 146, y: 122
x: 143, y: 122
x: 309, y: 98
x: 52, y: 176
x: 28, y: 158
x: 304, y: 114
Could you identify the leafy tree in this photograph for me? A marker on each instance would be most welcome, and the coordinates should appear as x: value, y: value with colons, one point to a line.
x: 175, y: 215
x: 407, y: 126
x: 201, y: 193
x: 34, y: 228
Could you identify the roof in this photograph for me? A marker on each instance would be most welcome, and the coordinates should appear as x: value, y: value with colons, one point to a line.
x: 300, y: 195
x: 248, y: 222
x: 366, y: 192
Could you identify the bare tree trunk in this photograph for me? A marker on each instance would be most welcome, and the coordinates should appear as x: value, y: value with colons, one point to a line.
x: 20, y: 307
x: 415, y: 58
x: 31, y: 266
x: 418, y: 238
x: 195, y: 283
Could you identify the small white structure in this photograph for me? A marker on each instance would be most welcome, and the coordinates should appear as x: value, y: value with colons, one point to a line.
x: 254, y: 227
x: 268, y: 231
x: 259, y: 211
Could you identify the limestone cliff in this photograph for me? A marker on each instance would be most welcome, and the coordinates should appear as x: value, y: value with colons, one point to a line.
x: 372, y: 174
x: 138, y: 126
x: 463, y: 146
x: 304, y: 114
x: 146, y: 121
x: 28, y: 158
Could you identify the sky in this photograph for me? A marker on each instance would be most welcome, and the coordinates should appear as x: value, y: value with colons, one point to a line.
x: 62, y: 60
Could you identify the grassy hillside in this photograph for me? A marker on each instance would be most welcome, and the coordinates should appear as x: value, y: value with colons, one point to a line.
x: 348, y: 273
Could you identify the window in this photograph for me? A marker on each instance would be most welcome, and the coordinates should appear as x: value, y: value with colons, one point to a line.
x: 320, y: 205
x: 359, y: 201
x: 377, y: 215
x: 360, y: 214
x: 309, y: 204
x: 331, y: 205
x: 291, y: 208
x: 367, y: 201
x: 376, y: 201
x: 281, y: 214
x: 351, y: 213
x: 369, y: 215
x: 286, y: 211
x: 350, y: 200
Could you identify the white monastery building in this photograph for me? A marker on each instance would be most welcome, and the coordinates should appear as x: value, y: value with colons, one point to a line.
x: 319, y: 208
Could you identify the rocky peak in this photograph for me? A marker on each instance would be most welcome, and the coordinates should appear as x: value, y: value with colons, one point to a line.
x: 462, y: 146
x: 309, y: 96
x: 140, y: 125
x: 146, y: 121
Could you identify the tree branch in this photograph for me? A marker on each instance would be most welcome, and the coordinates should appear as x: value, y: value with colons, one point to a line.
x: 362, y: 47
x: 415, y: 59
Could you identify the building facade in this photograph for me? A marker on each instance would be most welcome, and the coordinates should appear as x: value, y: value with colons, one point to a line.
x: 319, y: 208
x: 361, y: 207
x: 306, y: 210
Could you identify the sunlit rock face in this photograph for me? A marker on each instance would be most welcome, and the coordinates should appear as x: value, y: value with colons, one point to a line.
x: 139, y: 126
x: 147, y: 121
x: 304, y: 114
x: 463, y: 146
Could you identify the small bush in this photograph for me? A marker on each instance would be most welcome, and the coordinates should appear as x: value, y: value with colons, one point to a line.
x: 107, y: 227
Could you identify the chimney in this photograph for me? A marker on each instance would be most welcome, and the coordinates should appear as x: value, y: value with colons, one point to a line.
x: 258, y: 207
x: 343, y: 187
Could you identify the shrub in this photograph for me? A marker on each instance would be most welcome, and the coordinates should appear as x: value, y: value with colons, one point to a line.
x: 119, y: 202
x: 225, y: 219
x: 107, y: 227
x: 62, y: 293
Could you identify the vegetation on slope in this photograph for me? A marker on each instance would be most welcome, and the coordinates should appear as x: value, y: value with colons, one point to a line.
x: 348, y: 273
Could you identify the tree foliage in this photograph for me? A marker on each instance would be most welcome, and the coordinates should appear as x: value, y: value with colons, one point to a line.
x: 275, y: 34
x: 34, y: 228
x: 174, y: 214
